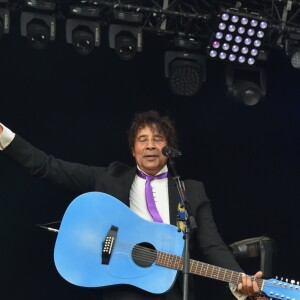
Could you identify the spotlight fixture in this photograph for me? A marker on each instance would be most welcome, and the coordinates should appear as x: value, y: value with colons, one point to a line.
x: 39, y: 29
x: 246, y: 84
x: 295, y: 58
x: 126, y: 40
x: 293, y: 49
x: 186, y: 72
x: 238, y: 36
x: 263, y: 247
x: 84, y: 35
x: 4, y: 21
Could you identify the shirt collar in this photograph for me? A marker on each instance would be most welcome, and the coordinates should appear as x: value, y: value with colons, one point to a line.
x: 164, y: 169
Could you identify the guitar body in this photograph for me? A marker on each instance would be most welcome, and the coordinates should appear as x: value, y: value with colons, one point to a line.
x: 85, y: 225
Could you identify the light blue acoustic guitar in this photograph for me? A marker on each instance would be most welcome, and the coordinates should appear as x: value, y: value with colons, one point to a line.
x: 101, y: 242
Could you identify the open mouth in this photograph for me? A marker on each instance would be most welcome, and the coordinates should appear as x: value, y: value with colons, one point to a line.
x: 151, y: 156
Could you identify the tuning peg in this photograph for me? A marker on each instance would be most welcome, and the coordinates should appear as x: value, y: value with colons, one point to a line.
x: 292, y: 281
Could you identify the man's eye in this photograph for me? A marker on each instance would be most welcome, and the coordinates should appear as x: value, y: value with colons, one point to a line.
x: 158, y: 139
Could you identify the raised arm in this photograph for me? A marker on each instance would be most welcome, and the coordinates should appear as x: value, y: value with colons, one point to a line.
x: 6, y: 136
x: 72, y: 176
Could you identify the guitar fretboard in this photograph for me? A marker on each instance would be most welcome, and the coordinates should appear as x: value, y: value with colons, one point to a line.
x: 202, y: 269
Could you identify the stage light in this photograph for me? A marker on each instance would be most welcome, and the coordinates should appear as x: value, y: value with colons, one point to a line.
x: 39, y: 29
x: 237, y: 37
x: 293, y: 49
x: 126, y: 40
x: 84, y: 35
x: 295, y: 58
x: 246, y: 85
x: 4, y: 21
x: 186, y: 72
x: 263, y: 247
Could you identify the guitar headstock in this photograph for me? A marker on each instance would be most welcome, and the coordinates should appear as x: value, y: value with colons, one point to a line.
x: 279, y: 289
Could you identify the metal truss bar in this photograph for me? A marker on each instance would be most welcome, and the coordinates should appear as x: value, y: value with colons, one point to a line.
x: 141, y: 8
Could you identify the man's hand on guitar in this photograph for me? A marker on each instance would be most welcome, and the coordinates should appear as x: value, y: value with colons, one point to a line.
x: 248, y: 286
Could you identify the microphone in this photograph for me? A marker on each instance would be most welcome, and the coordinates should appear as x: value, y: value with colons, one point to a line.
x: 170, y: 152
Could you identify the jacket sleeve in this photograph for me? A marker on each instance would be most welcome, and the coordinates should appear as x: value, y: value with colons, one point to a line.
x: 73, y: 176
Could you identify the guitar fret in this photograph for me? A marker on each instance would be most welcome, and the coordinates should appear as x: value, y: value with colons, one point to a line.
x: 195, y: 268
x: 178, y: 265
x: 201, y: 269
x: 231, y: 276
x: 205, y: 269
x: 224, y: 275
x: 216, y: 272
x: 191, y: 264
x: 210, y: 269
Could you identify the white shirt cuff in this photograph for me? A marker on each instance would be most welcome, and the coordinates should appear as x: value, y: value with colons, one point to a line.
x: 6, y: 137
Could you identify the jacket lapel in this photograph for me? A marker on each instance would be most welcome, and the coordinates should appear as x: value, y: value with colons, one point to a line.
x: 173, y: 200
x: 128, y: 180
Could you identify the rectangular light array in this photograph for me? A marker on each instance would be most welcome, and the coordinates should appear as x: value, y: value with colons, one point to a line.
x: 238, y: 37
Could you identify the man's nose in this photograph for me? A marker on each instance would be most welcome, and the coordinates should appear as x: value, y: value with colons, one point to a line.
x: 151, y: 143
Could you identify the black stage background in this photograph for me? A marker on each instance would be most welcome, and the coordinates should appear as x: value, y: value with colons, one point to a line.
x: 79, y: 108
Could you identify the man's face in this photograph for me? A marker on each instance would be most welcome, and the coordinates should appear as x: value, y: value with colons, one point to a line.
x: 147, y: 150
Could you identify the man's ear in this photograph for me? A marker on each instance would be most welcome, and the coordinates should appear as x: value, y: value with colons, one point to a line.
x: 132, y: 152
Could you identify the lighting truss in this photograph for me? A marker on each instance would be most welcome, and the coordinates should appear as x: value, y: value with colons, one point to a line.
x: 195, y: 19
x: 190, y: 19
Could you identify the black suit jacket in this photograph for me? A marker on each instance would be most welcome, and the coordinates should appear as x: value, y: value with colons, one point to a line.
x: 116, y: 180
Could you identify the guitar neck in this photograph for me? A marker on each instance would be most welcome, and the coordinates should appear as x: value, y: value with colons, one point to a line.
x: 202, y: 269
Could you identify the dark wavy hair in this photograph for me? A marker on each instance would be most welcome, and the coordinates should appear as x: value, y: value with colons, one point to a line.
x: 163, y: 124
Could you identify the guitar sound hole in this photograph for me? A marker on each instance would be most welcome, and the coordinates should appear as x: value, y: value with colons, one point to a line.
x: 144, y: 254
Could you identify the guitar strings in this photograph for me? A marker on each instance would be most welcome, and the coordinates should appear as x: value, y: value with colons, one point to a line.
x: 141, y: 253
x: 149, y: 255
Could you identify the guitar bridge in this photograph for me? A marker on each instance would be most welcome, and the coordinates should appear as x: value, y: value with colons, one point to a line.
x: 108, y: 244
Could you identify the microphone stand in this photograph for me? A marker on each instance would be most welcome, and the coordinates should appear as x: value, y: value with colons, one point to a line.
x: 190, y: 225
